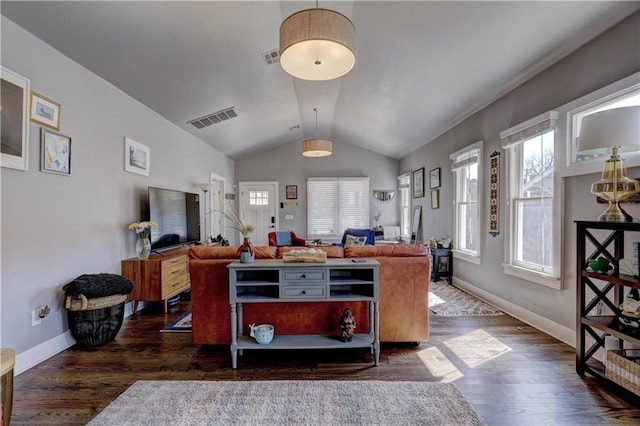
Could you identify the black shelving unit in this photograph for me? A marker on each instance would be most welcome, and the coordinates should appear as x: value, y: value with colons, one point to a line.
x: 441, y: 264
x: 606, y: 239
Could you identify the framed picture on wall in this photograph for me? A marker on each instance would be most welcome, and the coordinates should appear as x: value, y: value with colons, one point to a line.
x: 55, y: 152
x: 418, y: 183
x: 137, y: 157
x: 434, y: 178
x: 292, y: 192
x: 45, y: 111
x: 435, y: 199
x: 14, y: 143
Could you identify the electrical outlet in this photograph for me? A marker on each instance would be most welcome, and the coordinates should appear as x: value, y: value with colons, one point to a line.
x: 35, y: 318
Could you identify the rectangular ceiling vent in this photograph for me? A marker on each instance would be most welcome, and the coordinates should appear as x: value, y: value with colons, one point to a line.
x: 215, y: 118
x: 271, y: 58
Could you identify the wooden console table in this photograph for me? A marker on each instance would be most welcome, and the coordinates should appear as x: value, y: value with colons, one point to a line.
x: 337, y: 280
x: 159, y: 278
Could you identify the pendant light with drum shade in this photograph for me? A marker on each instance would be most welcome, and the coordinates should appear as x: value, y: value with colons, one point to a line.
x: 317, y: 44
x: 317, y: 147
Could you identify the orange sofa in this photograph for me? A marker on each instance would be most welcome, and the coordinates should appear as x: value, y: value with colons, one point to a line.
x: 405, y: 271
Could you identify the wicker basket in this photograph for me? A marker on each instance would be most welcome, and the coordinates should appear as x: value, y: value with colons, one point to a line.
x: 623, y: 367
x: 94, y: 322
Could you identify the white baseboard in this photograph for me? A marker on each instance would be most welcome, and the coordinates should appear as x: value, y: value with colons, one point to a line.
x: 560, y: 332
x: 34, y: 356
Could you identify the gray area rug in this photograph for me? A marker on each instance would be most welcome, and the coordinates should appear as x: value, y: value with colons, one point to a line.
x: 289, y: 402
x: 447, y: 300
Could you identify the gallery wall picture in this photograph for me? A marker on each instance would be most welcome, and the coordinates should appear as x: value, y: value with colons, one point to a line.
x: 45, y: 111
x: 14, y: 143
x: 292, y: 192
x: 418, y: 183
x: 55, y: 152
x: 137, y: 157
x: 434, y: 178
x: 435, y: 199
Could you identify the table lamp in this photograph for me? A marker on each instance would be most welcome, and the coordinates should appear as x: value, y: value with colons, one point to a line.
x: 618, y: 129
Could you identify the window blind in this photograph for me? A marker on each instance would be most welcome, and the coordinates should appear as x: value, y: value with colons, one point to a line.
x: 529, y: 129
x: 335, y: 204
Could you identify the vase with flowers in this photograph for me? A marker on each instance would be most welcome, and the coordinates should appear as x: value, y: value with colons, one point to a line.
x: 143, y: 232
x: 246, y: 250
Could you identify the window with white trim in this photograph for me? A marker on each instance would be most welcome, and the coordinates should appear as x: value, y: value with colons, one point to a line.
x: 404, y: 200
x: 533, y: 203
x: 467, y: 173
x: 335, y: 204
x: 625, y: 92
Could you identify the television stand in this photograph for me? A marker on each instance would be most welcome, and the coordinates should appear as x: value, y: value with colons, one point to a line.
x: 158, y: 278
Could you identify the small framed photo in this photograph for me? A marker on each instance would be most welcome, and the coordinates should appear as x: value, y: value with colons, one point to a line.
x: 14, y: 144
x: 292, y: 192
x: 45, y: 111
x: 418, y: 183
x: 55, y: 152
x: 435, y: 199
x: 137, y: 157
x: 434, y: 178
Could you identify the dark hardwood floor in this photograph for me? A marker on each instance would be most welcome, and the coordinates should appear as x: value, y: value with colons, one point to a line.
x: 510, y: 372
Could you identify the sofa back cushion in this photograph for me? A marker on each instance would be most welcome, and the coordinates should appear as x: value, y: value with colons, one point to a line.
x: 387, y: 250
x: 229, y: 252
x: 335, y: 252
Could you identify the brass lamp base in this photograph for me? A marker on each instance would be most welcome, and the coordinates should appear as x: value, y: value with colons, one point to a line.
x: 614, y: 213
x: 615, y: 186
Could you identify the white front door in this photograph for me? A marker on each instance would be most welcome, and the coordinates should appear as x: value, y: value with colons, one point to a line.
x: 258, y: 206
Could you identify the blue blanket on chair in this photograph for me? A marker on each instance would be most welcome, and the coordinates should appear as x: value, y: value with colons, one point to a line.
x: 283, y: 238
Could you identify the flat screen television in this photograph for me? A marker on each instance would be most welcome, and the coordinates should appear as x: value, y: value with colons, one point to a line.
x: 177, y: 215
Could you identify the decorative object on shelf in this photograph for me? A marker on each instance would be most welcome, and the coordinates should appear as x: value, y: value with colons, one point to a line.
x: 630, y: 309
x: 600, y: 264
x: 137, y: 157
x: 263, y: 333
x: 317, y: 44
x: 247, y: 251
x: 292, y: 192
x: 618, y: 129
x: 494, y: 194
x: 45, y: 111
x: 418, y: 183
x: 434, y: 178
x: 143, y: 232
x: 55, y: 152
x: 317, y: 147
x: 14, y: 148
x: 347, y: 325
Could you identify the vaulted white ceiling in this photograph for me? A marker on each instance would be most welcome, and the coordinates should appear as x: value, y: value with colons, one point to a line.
x: 421, y: 67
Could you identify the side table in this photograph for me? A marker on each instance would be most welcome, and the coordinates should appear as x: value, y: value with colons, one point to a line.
x: 442, y: 264
x: 7, y: 362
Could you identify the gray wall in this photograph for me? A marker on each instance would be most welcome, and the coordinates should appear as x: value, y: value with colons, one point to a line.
x: 606, y: 59
x: 286, y: 165
x: 54, y: 227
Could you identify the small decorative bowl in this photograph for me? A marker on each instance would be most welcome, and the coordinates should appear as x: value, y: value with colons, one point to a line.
x: 263, y: 333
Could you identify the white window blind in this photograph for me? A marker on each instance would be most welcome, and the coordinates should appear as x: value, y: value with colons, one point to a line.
x: 335, y: 204
x: 529, y: 129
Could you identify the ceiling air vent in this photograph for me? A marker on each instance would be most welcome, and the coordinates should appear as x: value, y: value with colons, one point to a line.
x: 271, y: 57
x: 215, y: 118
